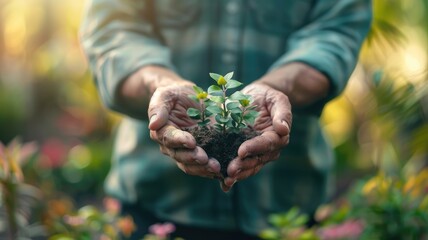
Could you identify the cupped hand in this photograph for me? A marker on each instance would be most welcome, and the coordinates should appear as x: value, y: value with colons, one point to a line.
x: 167, y: 114
x: 274, y: 124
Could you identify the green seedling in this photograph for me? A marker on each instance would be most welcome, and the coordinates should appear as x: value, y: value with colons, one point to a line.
x: 231, y: 112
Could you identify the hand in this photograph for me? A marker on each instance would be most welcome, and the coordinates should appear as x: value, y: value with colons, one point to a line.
x: 167, y: 114
x: 273, y: 122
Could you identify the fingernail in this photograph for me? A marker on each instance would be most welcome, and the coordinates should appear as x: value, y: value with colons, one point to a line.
x: 286, y: 124
x: 153, y: 118
x: 224, y: 188
x: 233, y: 182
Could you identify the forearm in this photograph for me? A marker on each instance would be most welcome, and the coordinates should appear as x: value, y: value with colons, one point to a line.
x: 329, y: 44
x: 135, y: 92
x: 302, y: 84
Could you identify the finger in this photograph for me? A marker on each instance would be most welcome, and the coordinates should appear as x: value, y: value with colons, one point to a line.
x: 214, y: 166
x: 159, y: 108
x: 229, y: 181
x: 173, y: 137
x: 240, y: 169
x: 280, y: 111
x: 269, y: 141
x: 239, y: 166
x: 198, y: 170
x: 224, y: 187
x: 195, y: 170
x: 186, y: 156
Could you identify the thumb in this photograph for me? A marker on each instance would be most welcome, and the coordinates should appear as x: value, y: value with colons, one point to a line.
x: 158, y: 111
x: 281, y: 115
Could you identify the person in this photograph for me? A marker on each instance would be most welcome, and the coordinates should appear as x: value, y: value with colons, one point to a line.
x: 293, y: 57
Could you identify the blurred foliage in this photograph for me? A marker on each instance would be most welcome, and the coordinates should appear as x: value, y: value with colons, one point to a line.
x: 392, y: 207
x: 290, y: 225
x: 89, y: 223
x: 17, y: 198
x: 378, y: 127
x: 47, y: 95
x: 381, y: 119
x: 381, y: 207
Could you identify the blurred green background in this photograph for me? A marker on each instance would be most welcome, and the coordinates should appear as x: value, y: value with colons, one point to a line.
x: 47, y: 96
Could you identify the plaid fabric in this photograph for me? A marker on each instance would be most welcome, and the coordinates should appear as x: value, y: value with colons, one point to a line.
x: 249, y: 37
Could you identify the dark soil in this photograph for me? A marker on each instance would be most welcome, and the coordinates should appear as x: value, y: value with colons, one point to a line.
x: 223, y: 147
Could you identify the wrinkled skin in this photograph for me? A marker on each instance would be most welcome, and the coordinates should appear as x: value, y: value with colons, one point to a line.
x: 273, y: 122
x: 167, y: 113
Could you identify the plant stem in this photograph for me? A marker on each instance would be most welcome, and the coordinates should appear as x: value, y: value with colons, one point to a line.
x: 202, y: 111
x: 9, y: 200
x: 242, y: 115
x: 224, y: 108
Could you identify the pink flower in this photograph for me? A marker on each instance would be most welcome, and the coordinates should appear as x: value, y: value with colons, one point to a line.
x: 350, y: 229
x: 53, y: 153
x: 162, y: 230
x: 126, y: 225
x: 74, y: 220
x: 112, y: 205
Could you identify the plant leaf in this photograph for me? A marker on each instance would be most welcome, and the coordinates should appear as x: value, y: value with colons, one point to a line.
x: 270, y: 234
x: 194, y: 113
x: 252, y: 113
x: 208, y: 113
x: 197, y: 89
x: 214, y: 109
x: 238, y: 95
x: 204, y: 123
x: 218, y: 99
x: 215, y: 90
x: 232, y: 105
x: 193, y: 97
x: 250, y: 117
x: 278, y: 220
x: 228, y: 76
x: 232, y: 84
x: 220, y: 119
x: 235, y: 110
x: 300, y: 220
x: 215, y: 76
x: 292, y: 214
x: 208, y: 102
x: 236, y: 117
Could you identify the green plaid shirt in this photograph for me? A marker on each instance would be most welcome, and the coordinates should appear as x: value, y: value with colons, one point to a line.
x: 249, y: 37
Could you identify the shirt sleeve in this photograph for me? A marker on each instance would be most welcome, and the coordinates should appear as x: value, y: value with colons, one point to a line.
x: 118, y: 38
x: 330, y: 42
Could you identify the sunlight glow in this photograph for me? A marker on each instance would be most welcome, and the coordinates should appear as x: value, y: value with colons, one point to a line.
x: 15, y: 33
x: 414, y: 61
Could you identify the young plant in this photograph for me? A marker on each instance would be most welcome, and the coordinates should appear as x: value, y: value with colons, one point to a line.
x: 231, y: 112
x: 202, y: 114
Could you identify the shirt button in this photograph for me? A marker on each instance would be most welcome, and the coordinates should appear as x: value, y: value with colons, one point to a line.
x: 232, y: 7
